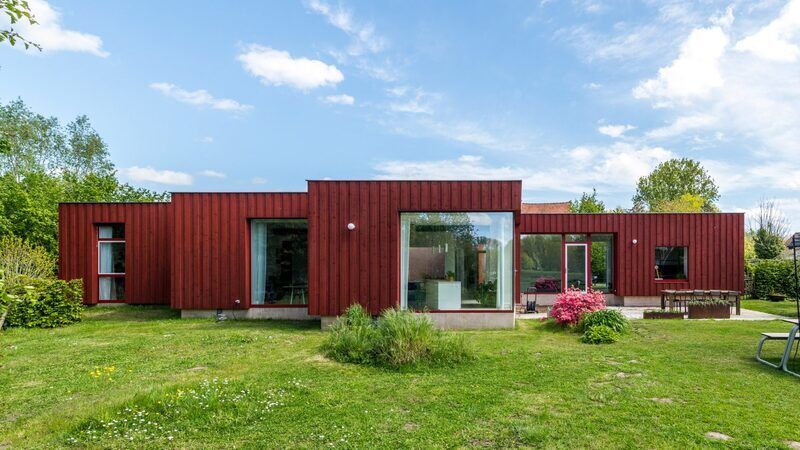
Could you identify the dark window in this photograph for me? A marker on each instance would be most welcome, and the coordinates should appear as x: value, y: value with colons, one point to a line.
x: 279, y: 262
x: 671, y: 263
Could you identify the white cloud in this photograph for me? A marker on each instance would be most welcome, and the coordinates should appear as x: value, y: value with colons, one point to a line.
x: 466, y: 167
x: 592, y: 86
x: 51, y: 36
x: 365, y: 39
x: 258, y: 180
x: 412, y: 101
x: 681, y: 125
x: 200, y: 97
x: 774, y: 42
x: 615, y: 131
x: 615, y: 168
x: 341, y: 99
x: 276, y: 67
x: 149, y: 174
x: 694, y: 74
x: 212, y: 173
x: 207, y: 140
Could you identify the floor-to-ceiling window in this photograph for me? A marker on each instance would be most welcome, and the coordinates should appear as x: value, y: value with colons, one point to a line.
x: 278, y: 262
x: 602, y: 262
x: 454, y: 261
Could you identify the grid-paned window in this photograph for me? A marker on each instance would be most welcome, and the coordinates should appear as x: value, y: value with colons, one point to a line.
x: 111, y: 262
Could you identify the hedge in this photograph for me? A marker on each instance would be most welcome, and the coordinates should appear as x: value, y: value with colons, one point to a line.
x: 772, y: 276
x: 45, y: 303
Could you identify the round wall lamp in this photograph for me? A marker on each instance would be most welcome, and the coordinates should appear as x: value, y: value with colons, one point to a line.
x: 635, y: 242
x: 351, y: 226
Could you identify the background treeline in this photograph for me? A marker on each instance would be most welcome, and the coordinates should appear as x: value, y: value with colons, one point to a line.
x: 42, y: 163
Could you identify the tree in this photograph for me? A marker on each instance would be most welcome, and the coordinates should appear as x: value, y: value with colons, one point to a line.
x: 769, y: 228
x: 684, y: 203
x: 43, y: 163
x: 17, y: 10
x: 587, y: 204
x: 672, y: 179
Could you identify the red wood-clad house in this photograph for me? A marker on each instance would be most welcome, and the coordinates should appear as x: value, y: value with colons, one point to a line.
x: 467, y: 251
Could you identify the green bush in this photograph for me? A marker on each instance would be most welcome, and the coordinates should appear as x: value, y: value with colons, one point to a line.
x: 19, y: 258
x: 43, y: 303
x: 600, y: 334
x: 772, y: 276
x: 611, y: 318
x: 396, y: 339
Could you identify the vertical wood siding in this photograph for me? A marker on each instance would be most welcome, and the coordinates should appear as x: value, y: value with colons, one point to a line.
x: 210, y: 244
x: 147, y: 265
x: 715, y: 244
x: 363, y: 266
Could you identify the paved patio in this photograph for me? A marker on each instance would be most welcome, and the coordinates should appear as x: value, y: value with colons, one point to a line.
x: 636, y: 312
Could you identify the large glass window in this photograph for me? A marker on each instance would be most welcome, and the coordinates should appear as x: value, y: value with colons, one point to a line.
x: 541, y: 262
x: 279, y: 262
x: 453, y: 261
x: 671, y: 263
x: 602, y: 262
x: 551, y: 262
x: 111, y: 262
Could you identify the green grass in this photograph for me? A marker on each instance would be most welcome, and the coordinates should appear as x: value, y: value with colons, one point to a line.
x: 263, y: 384
x: 785, y: 308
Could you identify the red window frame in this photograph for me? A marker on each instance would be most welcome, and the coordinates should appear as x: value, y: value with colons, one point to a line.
x: 99, y: 274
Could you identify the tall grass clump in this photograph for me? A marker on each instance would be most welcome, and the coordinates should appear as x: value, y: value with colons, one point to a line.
x: 396, y: 339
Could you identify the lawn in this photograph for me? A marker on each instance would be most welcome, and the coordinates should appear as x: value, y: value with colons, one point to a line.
x: 785, y: 308
x: 141, y: 377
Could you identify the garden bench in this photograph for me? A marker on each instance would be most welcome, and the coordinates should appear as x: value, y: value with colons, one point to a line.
x: 791, y: 337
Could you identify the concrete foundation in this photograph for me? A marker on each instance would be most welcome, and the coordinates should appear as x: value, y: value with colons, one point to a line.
x: 473, y: 320
x: 641, y: 301
x: 456, y: 320
x: 252, y: 313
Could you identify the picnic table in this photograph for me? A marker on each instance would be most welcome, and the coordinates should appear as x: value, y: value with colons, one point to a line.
x: 790, y: 337
x: 680, y: 299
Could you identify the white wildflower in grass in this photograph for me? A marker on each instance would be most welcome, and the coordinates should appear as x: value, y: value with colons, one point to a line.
x: 161, y: 419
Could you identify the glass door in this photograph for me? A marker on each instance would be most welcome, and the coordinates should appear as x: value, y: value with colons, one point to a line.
x: 575, y: 264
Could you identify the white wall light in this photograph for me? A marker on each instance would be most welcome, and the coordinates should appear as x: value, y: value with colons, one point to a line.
x: 351, y: 226
x: 635, y: 242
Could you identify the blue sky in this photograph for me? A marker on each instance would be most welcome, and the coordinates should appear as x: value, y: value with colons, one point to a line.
x: 565, y: 95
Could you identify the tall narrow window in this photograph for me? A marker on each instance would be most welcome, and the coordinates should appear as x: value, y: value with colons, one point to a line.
x: 671, y: 263
x: 602, y: 262
x: 111, y: 262
x: 278, y: 262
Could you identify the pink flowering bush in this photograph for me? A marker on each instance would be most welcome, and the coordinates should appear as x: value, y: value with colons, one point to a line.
x: 571, y: 305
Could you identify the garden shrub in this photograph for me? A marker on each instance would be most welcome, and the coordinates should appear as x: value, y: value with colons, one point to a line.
x: 44, y: 303
x: 772, y: 276
x: 611, y: 318
x: 396, y: 339
x: 19, y: 258
x: 571, y: 305
x: 600, y: 334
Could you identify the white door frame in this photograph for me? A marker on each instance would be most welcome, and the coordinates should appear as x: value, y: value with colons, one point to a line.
x: 585, y: 263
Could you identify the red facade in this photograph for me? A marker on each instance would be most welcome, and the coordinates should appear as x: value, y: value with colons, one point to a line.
x: 147, y: 262
x: 210, y: 244
x: 715, y: 244
x: 363, y: 265
x: 193, y: 253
